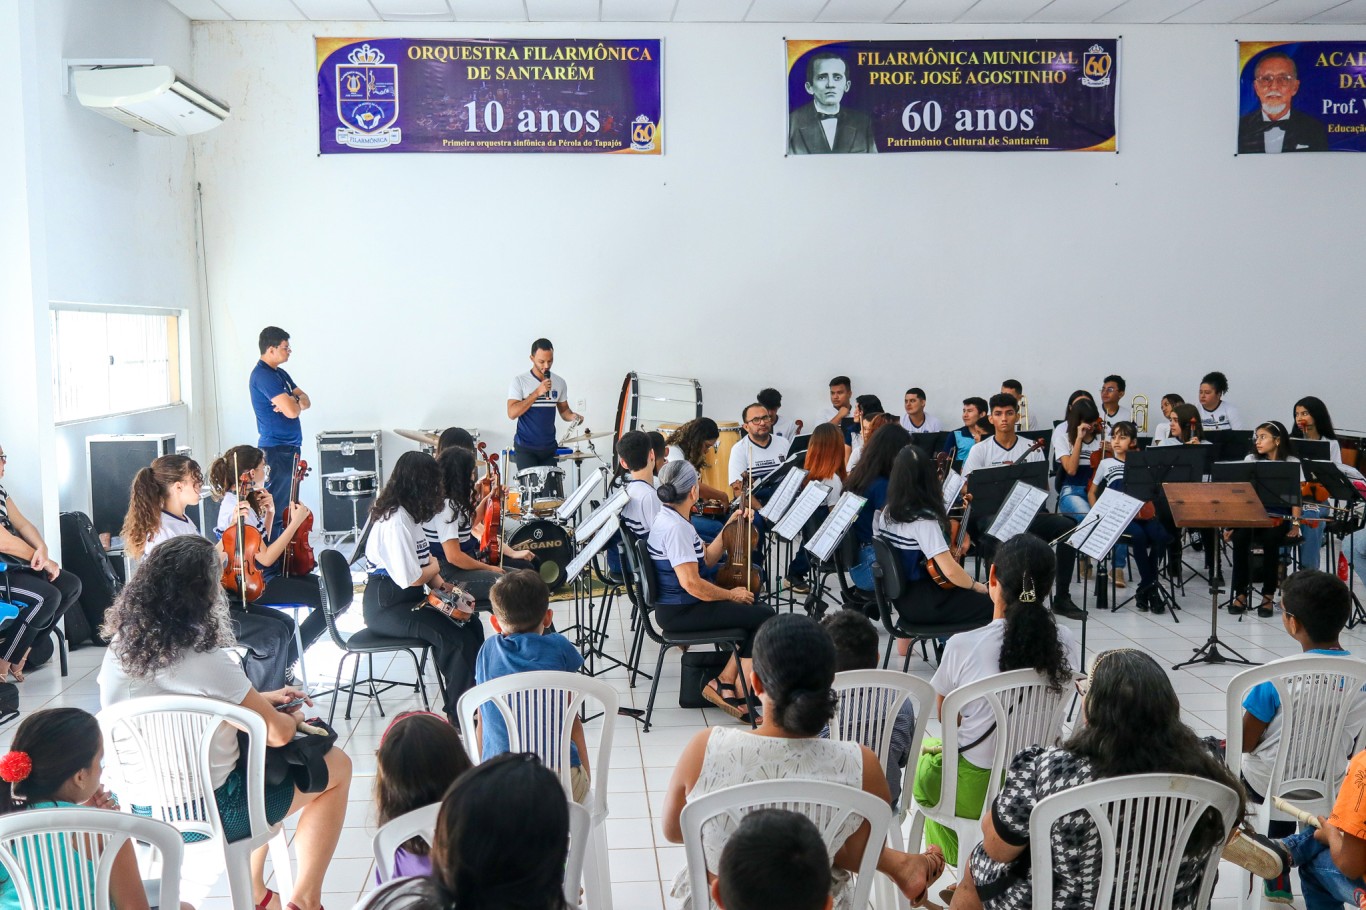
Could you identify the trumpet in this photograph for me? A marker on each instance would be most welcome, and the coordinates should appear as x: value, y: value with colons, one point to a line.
x: 1139, y: 410
x: 1022, y: 421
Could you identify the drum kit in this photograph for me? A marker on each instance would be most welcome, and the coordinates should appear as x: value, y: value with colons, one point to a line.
x: 532, y: 512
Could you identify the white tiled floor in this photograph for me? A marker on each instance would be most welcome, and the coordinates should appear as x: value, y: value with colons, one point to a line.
x: 642, y: 863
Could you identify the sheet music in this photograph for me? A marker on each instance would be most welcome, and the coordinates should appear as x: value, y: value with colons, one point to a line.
x: 833, y: 529
x: 607, y: 510
x: 806, y: 504
x: 587, y: 553
x: 1019, y: 510
x: 782, y: 497
x: 570, y: 507
x: 1100, y: 530
x: 953, y: 488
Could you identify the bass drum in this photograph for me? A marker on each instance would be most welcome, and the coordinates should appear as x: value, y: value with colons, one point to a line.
x: 551, y: 546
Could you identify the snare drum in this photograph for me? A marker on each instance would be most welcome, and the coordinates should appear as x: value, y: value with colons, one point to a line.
x: 551, y: 546
x: 352, y: 484
x: 542, y: 489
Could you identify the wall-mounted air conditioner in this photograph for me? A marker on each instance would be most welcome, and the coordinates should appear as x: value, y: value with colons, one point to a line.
x: 150, y: 99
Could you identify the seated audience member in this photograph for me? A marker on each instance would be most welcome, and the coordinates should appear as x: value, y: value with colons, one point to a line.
x: 419, y: 757
x: 1133, y: 726
x: 525, y: 644
x: 55, y: 762
x: 794, y: 668
x: 502, y: 840
x: 168, y: 634
x: 1315, y: 608
x: 775, y: 858
x: 856, y: 642
x: 1022, y: 634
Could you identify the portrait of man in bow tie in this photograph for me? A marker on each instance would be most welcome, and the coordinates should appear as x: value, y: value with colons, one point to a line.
x: 826, y: 125
x: 1275, y: 126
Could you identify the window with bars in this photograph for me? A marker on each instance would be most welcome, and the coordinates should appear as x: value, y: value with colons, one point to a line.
x: 111, y: 361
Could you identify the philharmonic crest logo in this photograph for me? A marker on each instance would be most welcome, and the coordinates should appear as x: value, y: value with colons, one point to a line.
x: 367, y: 100
x: 642, y: 134
x: 1096, y: 64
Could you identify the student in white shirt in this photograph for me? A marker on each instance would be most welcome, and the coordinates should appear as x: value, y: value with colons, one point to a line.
x: 915, y: 420
x: 636, y: 457
x: 865, y: 408
x: 1074, y: 458
x: 1215, y: 412
x: 1016, y: 388
x: 450, y: 535
x: 772, y: 399
x: 1272, y: 442
x: 1163, y: 431
x: 402, y: 568
x: 1112, y: 389
x: 1147, y: 536
x: 758, y: 451
x: 1313, y: 422
x: 841, y: 410
x: 157, y: 502
x: 1020, y: 635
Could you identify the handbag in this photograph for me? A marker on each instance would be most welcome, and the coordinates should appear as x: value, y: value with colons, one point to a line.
x: 302, y: 759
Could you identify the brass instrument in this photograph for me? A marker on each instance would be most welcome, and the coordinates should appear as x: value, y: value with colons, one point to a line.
x: 1139, y: 409
x: 1022, y: 422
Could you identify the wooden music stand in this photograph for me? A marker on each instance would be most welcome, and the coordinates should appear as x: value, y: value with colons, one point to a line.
x: 1215, y: 506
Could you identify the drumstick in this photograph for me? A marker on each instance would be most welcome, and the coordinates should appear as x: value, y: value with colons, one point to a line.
x: 1295, y: 812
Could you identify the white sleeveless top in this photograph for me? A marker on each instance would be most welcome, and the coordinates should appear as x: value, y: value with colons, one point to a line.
x: 739, y: 757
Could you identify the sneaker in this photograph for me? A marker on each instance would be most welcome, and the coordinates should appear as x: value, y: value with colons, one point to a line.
x: 798, y: 585
x: 1064, y: 606
x: 1278, y: 890
x: 1258, y: 854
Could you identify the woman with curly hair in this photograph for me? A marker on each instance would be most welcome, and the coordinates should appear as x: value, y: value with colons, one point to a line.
x: 167, y: 633
x: 697, y: 441
x: 1021, y: 634
x: 402, y: 568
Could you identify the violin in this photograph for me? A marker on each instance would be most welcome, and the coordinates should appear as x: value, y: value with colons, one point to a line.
x: 1106, y: 450
x: 298, y: 558
x: 943, y: 463
x: 713, y: 508
x: 490, y: 544
x: 242, y: 543
x: 738, y: 539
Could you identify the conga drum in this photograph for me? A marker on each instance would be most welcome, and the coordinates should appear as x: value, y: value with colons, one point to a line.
x: 718, y: 463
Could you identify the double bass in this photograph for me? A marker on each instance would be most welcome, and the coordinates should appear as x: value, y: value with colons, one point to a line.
x: 738, y: 540
x: 298, y: 557
x: 242, y: 544
x: 491, y: 542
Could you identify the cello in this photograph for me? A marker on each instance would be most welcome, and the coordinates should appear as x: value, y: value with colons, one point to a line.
x: 490, y: 543
x: 298, y: 556
x: 738, y: 539
x: 242, y: 543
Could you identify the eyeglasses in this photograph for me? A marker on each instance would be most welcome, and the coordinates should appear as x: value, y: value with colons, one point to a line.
x: 1281, y: 606
x: 1109, y: 388
x: 763, y: 419
x: 1278, y: 79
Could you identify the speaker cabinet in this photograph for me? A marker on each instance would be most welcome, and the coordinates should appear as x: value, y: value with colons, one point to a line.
x: 112, y: 461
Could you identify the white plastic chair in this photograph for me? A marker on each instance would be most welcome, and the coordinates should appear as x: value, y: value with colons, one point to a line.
x: 63, y: 858
x: 538, y: 710
x: 1317, y: 691
x: 1027, y: 713
x: 868, y: 704
x: 422, y: 823
x: 156, y: 754
x: 829, y: 805
x: 1138, y: 867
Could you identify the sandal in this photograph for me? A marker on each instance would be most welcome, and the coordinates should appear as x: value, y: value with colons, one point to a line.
x: 712, y: 693
x: 1238, y: 606
x: 265, y: 901
x: 1266, y: 609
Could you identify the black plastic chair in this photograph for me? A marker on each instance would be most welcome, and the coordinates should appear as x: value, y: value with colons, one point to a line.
x: 889, y: 586
x: 334, y: 578
x: 643, y: 587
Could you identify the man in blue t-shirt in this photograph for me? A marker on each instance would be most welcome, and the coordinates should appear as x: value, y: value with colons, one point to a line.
x: 533, y: 399
x: 278, y: 402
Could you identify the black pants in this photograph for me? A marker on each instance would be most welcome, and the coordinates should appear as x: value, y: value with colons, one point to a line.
x: 280, y: 460
x: 476, y: 582
x: 41, y: 602
x: 299, y: 589
x: 1047, y: 526
x: 389, y: 611
x: 926, y: 602
x: 268, y: 636
x: 1270, y: 540
x: 705, y: 616
x: 533, y: 458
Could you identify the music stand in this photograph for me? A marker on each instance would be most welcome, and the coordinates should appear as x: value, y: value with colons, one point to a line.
x: 991, y: 486
x: 1311, y: 449
x: 799, y: 445
x: 1146, y: 470
x: 1215, y: 506
x: 1230, y: 445
x: 1277, y: 482
x: 929, y: 443
x: 1340, y: 489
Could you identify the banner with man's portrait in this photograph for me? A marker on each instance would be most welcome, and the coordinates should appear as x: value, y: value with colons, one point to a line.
x: 386, y: 95
x: 1301, y: 96
x: 847, y: 97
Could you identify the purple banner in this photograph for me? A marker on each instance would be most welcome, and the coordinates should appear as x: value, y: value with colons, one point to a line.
x: 1301, y: 96
x: 921, y: 96
x: 387, y: 95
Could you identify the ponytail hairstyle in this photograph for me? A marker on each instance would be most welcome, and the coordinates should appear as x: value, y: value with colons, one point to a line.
x: 414, y: 486
x: 1025, y: 567
x: 457, y: 479
x: 1188, y: 421
x: 1082, y: 411
x: 1282, y: 437
x: 913, y: 490
x: 1133, y: 726
x: 228, y: 467
x: 795, y: 659
x: 151, y: 486
x: 825, y: 454
x: 49, y: 748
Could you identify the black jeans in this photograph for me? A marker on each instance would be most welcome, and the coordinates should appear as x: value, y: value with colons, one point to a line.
x: 268, y: 636
x: 41, y: 602
x: 705, y: 616
x: 925, y: 602
x: 299, y: 589
x: 533, y: 458
x: 280, y: 460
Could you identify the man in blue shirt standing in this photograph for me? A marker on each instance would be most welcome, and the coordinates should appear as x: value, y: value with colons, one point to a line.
x: 278, y: 402
x: 533, y: 399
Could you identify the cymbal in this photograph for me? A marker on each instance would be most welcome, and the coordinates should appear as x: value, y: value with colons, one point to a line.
x: 426, y: 437
x: 582, y: 437
x: 576, y: 456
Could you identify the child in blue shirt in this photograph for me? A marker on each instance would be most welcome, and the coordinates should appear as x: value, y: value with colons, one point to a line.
x: 521, y: 617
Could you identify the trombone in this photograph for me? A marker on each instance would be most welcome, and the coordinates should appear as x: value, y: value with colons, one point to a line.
x: 1022, y: 420
x: 1139, y: 412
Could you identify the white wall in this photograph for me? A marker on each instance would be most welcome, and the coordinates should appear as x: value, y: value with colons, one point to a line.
x: 413, y: 284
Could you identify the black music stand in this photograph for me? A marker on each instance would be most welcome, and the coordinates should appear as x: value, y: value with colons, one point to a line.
x: 1229, y: 445
x: 929, y: 443
x: 799, y: 445
x: 1277, y: 483
x: 1146, y: 470
x: 1215, y: 506
x: 1033, y: 436
x: 1340, y: 489
x: 990, y: 487
x: 1311, y: 449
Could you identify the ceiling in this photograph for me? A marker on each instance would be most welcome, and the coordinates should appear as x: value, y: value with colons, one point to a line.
x: 1118, y: 12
